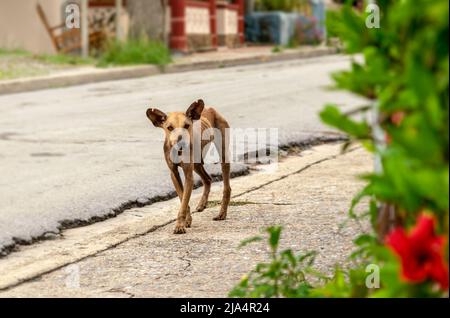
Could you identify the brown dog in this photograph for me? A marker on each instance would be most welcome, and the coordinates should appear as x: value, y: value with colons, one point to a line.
x: 180, y: 138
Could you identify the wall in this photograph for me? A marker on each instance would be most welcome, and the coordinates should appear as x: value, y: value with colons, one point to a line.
x: 21, y: 27
x: 227, y: 27
x: 197, y: 21
x: 227, y: 21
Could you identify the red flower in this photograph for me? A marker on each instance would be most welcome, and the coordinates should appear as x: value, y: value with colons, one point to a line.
x: 421, y: 252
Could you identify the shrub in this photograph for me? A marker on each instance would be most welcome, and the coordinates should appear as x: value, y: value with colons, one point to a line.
x: 279, y: 5
x: 405, y: 78
x: 332, y: 21
x: 283, y: 276
x: 135, y: 51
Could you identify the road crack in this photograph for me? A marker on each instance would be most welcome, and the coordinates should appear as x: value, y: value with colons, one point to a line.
x: 154, y: 228
x: 121, y: 291
x: 187, y: 260
x: 294, y: 173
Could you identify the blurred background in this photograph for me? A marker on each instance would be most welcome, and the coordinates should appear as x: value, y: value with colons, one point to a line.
x: 47, y: 34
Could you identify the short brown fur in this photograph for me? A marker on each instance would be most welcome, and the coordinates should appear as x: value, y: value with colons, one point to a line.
x: 209, y: 118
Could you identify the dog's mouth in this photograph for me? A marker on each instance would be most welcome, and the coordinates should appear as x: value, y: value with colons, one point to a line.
x: 180, y: 152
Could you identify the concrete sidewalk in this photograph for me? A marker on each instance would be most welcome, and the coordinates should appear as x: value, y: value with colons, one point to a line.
x: 207, y: 60
x: 136, y: 254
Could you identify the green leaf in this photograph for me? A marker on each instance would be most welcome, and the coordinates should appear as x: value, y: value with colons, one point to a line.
x: 274, y: 236
x: 332, y: 116
x: 250, y: 240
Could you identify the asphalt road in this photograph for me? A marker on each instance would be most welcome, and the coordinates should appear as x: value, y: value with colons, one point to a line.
x: 79, y: 152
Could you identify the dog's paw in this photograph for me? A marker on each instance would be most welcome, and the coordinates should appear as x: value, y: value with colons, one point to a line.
x: 200, y: 207
x: 220, y: 217
x: 188, y: 222
x: 179, y: 229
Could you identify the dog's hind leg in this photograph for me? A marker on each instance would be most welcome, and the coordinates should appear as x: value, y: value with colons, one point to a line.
x: 206, y: 180
x: 223, y: 147
x: 226, y: 193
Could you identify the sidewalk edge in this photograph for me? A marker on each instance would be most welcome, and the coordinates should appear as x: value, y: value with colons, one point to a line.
x: 103, y: 75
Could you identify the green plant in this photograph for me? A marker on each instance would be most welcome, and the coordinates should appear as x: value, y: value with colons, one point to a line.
x: 64, y: 59
x: 279, y: 5
x: 47, y: 58
x: 16, y: 52
x: 332, y: 21
x: 377, y: 271
x: 135, y: 51
x: 277, y: 49
x: 284, y: 276
x: 404, y: 76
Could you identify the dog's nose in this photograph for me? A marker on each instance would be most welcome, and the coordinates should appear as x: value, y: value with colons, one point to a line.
x: 179, y: 138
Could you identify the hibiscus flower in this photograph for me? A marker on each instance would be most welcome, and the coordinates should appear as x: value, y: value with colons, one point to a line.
x: 421, y: 252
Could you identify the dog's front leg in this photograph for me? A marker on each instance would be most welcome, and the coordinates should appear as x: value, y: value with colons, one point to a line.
x: 184, y: 214
x: 179, y: 189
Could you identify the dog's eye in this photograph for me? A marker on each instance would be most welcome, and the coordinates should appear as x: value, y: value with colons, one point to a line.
x: 169, y: 128
x: 186, y: 126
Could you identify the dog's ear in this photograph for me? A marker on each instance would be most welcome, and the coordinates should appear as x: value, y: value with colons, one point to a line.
x: 195, y: 110
x: 156, y: 116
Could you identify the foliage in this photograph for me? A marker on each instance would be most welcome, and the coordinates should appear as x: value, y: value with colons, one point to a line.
x: 135, y: 51
x: 332, y: 20
x: 130, y: 52
x: 404, y: 75
x: 15, y: 63
x: 277, y: 49
x: 284, y: 276
x: 64, y: 59
x: 405, y: 71
x: 279, y: 5
x: 291, y: 275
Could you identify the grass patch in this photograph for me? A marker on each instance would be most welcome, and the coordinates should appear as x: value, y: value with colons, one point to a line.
x: 135, y: 51
x: 65, y: 59
x: 277, y: 49
x: 16, y: 63
x: 20, y: 71
x: 15, y: 52
x: 60, y: 59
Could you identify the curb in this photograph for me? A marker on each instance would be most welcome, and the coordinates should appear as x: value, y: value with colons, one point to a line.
x: 94, y: 75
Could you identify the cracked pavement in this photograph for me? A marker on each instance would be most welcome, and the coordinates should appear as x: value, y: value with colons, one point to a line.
x: 309, y: 194
x: 78, y: 154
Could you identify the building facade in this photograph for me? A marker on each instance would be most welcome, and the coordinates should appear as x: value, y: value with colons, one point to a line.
x: 185, y: 25
x: 197, y: 25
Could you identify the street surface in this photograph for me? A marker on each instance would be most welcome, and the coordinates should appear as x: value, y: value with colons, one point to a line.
x: 137, y: 255
x: 80, y: 152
